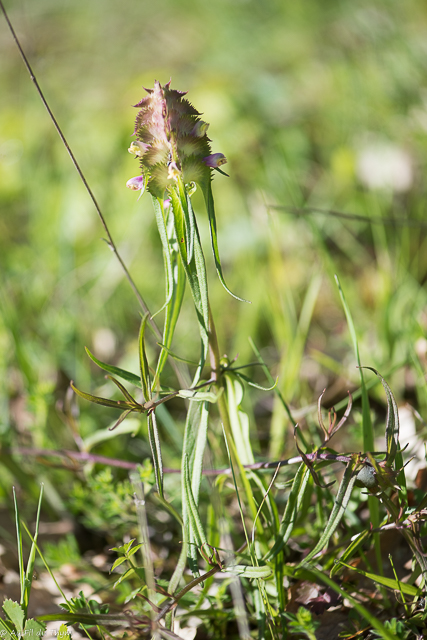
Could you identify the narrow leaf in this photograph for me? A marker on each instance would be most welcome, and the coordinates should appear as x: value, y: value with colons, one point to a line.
x: 106, y: 402
x: 389, y: 583
x: 210, y: 206
x: 143, y: 364
x: 123, y: 389
x: 115, y: 371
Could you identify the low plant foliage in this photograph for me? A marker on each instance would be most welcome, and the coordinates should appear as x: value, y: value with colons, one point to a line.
x: 205, y: 531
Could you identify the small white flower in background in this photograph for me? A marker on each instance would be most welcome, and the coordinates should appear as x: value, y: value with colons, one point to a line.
x: 384, y: 165
x: 104, y: 343
x: 186, y: 633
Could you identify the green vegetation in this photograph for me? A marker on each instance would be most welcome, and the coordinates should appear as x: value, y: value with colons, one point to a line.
x: 206, y: 486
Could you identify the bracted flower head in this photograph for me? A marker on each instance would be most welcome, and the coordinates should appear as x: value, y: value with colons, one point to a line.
x: 171, y: 141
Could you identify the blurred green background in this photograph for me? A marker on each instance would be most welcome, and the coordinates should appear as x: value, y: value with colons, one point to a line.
x: 318, y: 104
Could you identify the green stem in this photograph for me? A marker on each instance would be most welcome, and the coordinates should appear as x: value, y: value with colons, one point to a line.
x: 225, y: 418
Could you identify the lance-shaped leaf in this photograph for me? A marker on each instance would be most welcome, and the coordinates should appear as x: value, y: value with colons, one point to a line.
x: 389, y: 583
x: 115, y: 371
x: 340, y: 505
x: 292, y: 508
x: 124, y: 391
x: 210, y: 206
x: 114, y: 404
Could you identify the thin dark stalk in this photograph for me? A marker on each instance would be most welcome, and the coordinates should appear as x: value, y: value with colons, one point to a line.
x: 303, y: 211
x: 110, y: 240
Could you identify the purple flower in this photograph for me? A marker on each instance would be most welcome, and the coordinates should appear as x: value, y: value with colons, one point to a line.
x: 215, y: 160
x: 171, y: 141
x: 136, y: 184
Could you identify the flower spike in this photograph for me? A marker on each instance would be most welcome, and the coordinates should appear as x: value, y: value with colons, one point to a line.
x: 171, y: 141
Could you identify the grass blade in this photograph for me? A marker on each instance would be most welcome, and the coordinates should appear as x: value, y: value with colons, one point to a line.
x: 31, y: 558
x: 20, y: 549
